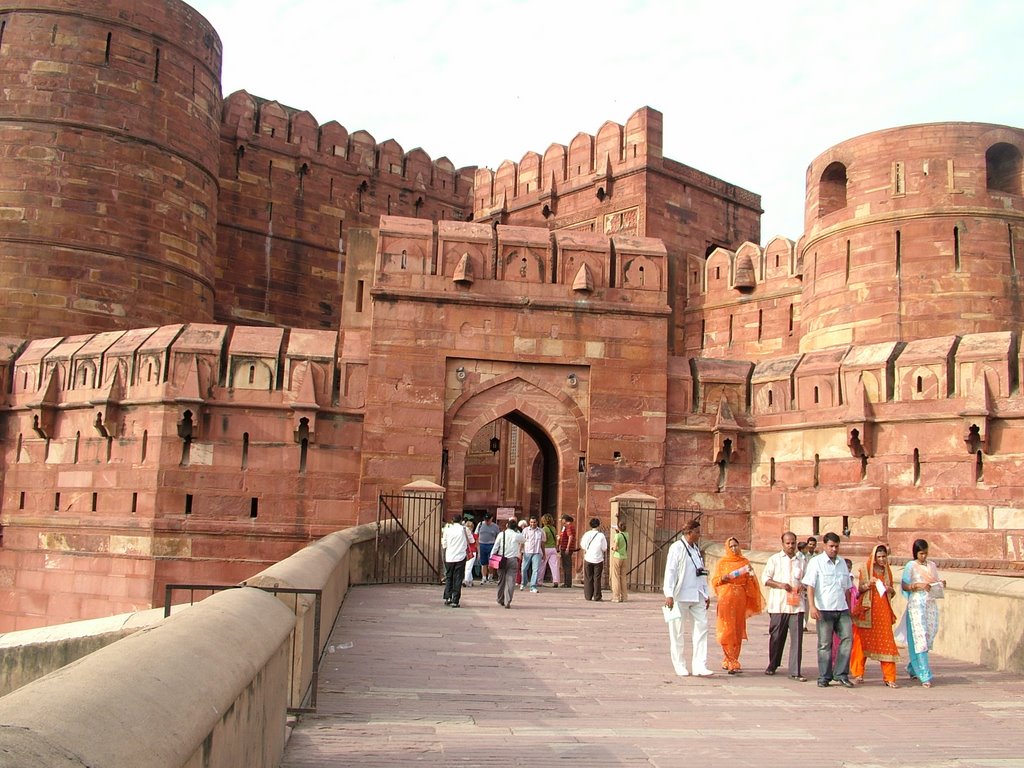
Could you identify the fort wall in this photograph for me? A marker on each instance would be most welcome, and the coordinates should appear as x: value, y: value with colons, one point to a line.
x: 297, y: 198
x: 617, y: 181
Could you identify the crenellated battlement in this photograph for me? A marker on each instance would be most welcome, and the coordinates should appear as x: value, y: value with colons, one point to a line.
x: 296, y: 133
x: 587, y: 160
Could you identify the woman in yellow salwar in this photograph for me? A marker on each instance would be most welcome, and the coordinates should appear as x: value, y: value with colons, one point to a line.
x: 874, y: 617
x: 739, y: 597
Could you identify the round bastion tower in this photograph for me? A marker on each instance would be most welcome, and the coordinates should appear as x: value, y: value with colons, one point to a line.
x: 913, y: 233
x: 109, y: 124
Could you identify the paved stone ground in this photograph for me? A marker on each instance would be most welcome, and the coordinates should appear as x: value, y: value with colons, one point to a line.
x: 558, y: 679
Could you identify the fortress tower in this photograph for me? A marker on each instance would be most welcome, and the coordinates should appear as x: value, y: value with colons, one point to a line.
x: 914, y: 232
x: 109, y: 119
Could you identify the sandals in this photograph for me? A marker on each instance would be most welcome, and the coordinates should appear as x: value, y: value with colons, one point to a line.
x: 889, y: 684
x: 926, y: 685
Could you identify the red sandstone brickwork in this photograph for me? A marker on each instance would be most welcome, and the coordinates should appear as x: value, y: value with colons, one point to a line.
x: 608, y: 314
x: 580, y: 367
x: 184, y: 453
x: 922, y: 239
x: 294, y: 194
x: 108, y: 155
x: 617, y: 181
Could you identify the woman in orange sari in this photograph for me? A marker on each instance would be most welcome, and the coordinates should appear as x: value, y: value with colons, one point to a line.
x: 739, y: 597
x: 874, y: 617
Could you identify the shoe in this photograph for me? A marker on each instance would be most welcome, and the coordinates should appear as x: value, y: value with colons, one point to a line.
x: 501, y: 603
x: 798, y: 678
x: 522, y: 587
x: 534, y: 590
x: 769, y: 671
x: 732, y: 671
x: 447, y: 601
x: 554, y: 586
x: 453, y: 605
x: 823, y: 683
x: 926, y: 685
x: 703, y: 672
x: 846, y: 682
x: 508, y: 605
x: 597, y: 599
x: 889, y: 684
x: 682, y: 673
x: 857, y: 680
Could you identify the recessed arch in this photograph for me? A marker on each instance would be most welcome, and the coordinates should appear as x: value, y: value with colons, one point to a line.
x: 832, y: 189
x: 553, y: 421
x: 1003, y: 168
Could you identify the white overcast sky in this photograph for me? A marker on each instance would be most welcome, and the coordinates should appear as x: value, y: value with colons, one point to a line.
x: 751, y: 91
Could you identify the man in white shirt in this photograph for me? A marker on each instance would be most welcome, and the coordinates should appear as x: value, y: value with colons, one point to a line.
x: 686, y: 585
x: 782, y: 575
x: 828, y: 584
x: 455, y: 541
x: 594, y: 544
x: 533, y: 545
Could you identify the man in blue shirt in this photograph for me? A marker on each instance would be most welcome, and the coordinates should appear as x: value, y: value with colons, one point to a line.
x: 828, y: 585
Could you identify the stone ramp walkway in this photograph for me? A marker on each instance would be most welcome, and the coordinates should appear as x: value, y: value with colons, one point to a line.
x: 561, y: 680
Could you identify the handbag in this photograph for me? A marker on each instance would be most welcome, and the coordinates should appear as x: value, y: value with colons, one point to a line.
x: 497, y: 561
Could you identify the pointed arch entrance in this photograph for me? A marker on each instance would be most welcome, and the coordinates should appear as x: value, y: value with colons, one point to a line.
x: 553, y: 421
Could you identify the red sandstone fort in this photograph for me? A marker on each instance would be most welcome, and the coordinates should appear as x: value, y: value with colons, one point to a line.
x: 227, y: 329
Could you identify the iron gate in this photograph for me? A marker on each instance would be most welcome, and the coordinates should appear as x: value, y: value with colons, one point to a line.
x: 409, y: 550
x: 651, y: 533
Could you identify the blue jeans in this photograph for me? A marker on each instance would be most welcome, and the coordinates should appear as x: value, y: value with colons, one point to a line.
x: 531, y: 562
x: 834, y: 623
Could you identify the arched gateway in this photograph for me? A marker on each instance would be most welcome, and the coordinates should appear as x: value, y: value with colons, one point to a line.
x: 552, y: 420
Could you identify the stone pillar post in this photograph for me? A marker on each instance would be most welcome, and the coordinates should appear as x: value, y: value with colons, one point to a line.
x: 637, y: 512
x: 423, y: 516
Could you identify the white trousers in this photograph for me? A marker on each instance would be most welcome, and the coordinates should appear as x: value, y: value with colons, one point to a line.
x: 699, y: 615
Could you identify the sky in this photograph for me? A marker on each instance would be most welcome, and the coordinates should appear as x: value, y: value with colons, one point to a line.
x: 751, y: 92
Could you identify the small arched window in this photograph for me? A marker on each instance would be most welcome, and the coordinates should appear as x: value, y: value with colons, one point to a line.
x: 832, y: 189
x: 1003, y: 169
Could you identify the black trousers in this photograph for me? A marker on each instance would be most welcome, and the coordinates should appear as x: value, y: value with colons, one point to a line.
x: 566, y: 563
x: 779, y: 626
x: 453, y: 574
x: 592, y: 575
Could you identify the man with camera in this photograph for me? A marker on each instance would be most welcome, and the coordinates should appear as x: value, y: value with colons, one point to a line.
x: 686, y: 586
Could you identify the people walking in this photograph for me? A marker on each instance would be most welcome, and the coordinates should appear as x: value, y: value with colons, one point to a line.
x: 686, y: 585
x: 739, y: 598
x: 594, y: 545
x: 786, y: 606
x: 455, y: 541
x: 618, y: 563
x: 506, y: 547
x: 827, y: 581
x: 567, y: 548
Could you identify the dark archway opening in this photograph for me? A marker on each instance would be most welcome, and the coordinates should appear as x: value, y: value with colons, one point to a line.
x: 512, y: 467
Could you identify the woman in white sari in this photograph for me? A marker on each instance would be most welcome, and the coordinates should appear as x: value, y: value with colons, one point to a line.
x: 920, y: 622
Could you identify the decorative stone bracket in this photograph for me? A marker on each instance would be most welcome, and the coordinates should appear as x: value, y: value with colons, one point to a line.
x: 859, y: 421
x: 725, y: 437
x: 976, y: 414
x: 44, y: 410
x: 108, y: 421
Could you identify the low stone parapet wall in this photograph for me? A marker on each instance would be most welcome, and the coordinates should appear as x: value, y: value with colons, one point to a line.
x: 29, y: 654
x: 979, y: 619
x: 206, y: 688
